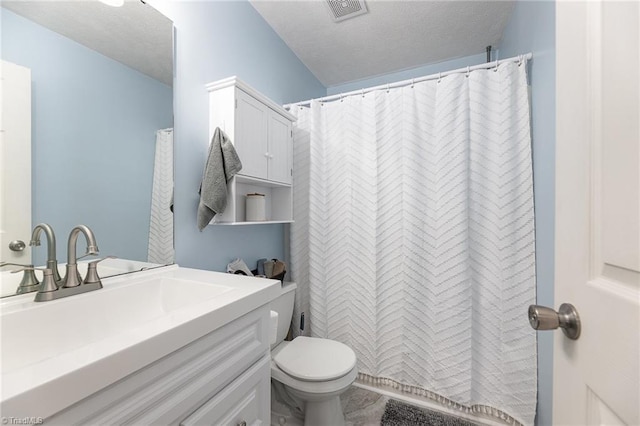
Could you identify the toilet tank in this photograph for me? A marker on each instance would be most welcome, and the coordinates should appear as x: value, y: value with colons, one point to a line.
x: 283, y: 305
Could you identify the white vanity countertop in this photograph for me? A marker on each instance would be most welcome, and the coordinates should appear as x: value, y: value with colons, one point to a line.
x: 80, y: 344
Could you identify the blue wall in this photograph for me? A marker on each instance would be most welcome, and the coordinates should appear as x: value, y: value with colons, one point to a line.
x: 421, y: 71
x: 93, y: 139
x: 215, y: 40
x: 532, y: 29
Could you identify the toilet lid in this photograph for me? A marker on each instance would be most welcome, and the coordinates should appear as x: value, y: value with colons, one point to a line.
x: 313, y: 359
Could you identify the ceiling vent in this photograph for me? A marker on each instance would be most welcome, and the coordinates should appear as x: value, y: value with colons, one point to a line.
x: 346, y: 9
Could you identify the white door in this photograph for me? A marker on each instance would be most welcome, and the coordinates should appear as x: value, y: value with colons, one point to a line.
x: 597, y: 376
x: 15, y: 161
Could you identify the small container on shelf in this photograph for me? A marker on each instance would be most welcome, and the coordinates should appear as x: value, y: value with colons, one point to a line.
x: 255, y: 210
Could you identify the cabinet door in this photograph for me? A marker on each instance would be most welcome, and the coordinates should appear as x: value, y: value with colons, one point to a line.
x: 280, y: 148
x: 247, y: 401
x: 251, y: 135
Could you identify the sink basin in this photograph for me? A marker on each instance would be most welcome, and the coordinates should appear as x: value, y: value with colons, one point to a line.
x: 48, y: 329
x: 107, y: 268
x: 60, y: 352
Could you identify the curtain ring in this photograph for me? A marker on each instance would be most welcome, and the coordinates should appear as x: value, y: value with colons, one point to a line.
x: 412, y: 83
x: 388, y: 88
x: 341, y: 97
x: 468, y: 71
x: 439, y: 77
x: 497, y: 65
x: 362, y: 91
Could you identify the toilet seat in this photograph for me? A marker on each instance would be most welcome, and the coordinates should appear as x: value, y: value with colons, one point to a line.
x: 315, y: 360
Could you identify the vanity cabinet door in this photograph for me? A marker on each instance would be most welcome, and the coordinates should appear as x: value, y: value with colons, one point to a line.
x: 244, y: 402
x: 251, y: 135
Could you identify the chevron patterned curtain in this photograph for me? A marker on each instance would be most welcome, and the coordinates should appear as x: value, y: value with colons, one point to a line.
x: 413, y: 240
x: 160, y: 248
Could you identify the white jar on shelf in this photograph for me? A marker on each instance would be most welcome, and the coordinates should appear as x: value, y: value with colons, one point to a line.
x: 255, y: 208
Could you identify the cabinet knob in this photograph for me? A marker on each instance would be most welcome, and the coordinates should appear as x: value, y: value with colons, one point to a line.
x: 266, y: 154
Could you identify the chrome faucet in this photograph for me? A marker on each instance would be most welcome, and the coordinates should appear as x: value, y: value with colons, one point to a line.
x: 72, y: 283
x: 72, y: 277
x: 52, y: 262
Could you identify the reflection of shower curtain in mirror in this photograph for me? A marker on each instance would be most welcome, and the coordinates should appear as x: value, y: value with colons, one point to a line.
x: 161, y: 224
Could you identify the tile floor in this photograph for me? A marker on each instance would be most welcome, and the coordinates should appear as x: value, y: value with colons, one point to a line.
x: 363, y: 407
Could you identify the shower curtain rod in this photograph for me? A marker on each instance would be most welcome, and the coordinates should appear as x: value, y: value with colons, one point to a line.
x: 486, y: 65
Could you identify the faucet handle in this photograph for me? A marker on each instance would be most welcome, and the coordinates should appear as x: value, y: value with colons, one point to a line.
x: 29, y: 280
x: 104, y: 258
x: 92, y: 271
x: 48, y: 281
x: 87, y: 255
x: 15, y: 264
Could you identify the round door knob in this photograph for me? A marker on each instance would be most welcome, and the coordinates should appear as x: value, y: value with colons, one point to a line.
x: 567, y: 318
x: 17, y: 245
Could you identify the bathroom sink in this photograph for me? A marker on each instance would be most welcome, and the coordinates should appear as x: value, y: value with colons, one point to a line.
x: 48, y: 329
x: 107, y: 268
x: 84, y: 343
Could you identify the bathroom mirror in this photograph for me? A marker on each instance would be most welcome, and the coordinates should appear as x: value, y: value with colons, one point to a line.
x: 101, y: 94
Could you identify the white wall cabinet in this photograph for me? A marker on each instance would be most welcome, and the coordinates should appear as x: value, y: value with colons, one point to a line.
x: 261, y: 132
x: 222, y: 378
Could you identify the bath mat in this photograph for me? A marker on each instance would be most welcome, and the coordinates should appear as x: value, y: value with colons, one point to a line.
x: 397, y: 413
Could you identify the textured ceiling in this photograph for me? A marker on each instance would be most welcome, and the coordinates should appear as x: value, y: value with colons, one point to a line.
x: 135, y: 34
x: 393, y: 36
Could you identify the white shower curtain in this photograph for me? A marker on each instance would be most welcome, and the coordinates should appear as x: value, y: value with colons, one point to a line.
x: 161, y: 249
x: 413, y: 239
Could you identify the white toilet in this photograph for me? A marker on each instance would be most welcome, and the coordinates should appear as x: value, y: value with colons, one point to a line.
x: 317, y: 371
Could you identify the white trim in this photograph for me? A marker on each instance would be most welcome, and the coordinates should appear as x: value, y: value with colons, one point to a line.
x: 235, y: 81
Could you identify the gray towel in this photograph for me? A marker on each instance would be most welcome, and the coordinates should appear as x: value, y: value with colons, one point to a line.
x: 222, y: 165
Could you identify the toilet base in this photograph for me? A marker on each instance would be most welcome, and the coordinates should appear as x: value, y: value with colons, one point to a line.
x: 326, y: 412
x: 321, y: 409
